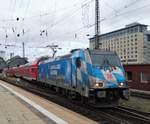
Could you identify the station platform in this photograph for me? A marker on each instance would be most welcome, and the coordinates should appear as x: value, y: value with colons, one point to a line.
x: 12, y: 111
x: 15, y: 109
x: 140, y: 91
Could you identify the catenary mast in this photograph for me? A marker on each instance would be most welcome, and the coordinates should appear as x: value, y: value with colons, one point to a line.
x: 97, y: 24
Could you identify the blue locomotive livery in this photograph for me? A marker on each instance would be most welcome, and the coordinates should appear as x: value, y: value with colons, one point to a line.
x: 94, y: 76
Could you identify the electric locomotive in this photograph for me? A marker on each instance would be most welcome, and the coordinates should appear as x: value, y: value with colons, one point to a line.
x: 94, y: 76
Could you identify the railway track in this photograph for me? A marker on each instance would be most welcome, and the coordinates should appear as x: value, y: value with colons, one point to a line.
x: 146, y: 114
x: 117, y: 115
x: 131, y: 114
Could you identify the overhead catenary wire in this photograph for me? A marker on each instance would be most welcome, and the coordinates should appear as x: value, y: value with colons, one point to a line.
x: 79, y: 29
x: 24, y: 15
x: 68, y: 16
x: 133, y: 10
x: 108, y: 18
x: 63, y: 21
x: 13, y: 9
x: 77, y: 10
x: 61, y: 10
x: 103, y: 20
x: 60, y: 20
x: 126, y: 6
x: 46, y: 14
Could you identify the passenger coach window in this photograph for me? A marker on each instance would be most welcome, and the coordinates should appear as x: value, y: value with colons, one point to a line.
x: 32, y: 70
x: 129, y: 76
x: 144, y: 77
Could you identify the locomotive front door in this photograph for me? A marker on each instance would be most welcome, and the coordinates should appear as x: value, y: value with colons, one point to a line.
x: 76, y: 63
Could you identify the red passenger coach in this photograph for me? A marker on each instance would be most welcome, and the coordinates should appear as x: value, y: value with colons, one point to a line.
x: 28, y: 71
x: 9, y: 71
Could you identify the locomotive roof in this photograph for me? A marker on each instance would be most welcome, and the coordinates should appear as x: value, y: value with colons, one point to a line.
x: 65, y: 56
x: 96, y: 51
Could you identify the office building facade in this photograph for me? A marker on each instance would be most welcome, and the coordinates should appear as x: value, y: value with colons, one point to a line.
x: 131, y: 43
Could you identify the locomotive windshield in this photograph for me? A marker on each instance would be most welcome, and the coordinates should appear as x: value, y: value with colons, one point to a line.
x: 105, y: 59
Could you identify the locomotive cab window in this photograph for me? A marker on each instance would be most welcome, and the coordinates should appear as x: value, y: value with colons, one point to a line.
x: 78, y: 62
x: 105, y: 59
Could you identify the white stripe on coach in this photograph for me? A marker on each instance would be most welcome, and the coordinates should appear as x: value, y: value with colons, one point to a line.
x: 48, y: 114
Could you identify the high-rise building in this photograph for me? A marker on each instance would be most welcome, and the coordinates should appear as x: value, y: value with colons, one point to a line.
x: 131, y: 43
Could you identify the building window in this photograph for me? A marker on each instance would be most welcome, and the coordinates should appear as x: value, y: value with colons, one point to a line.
x: 148, y: 37
x: 144, y: 77
x: 129, y: 76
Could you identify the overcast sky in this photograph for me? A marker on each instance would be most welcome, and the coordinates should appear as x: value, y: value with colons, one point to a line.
x: 65, y: 22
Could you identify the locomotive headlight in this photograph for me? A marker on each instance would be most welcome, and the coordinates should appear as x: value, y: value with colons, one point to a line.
x: 121, y: 84
x: 99, y: 84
